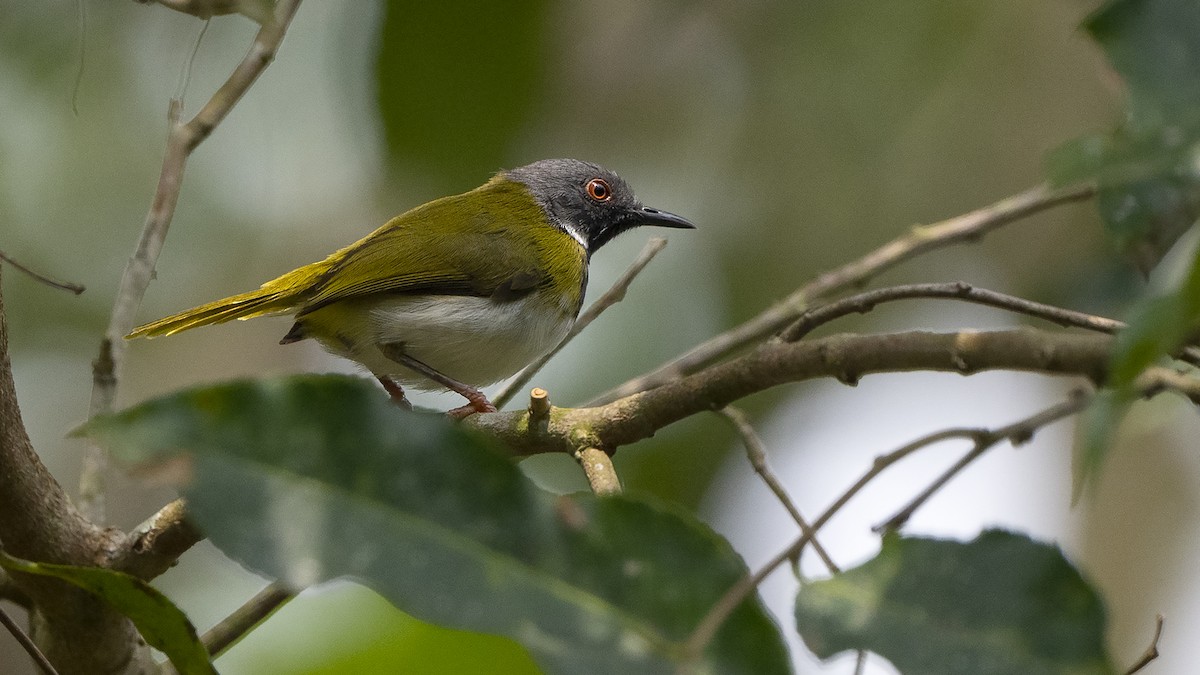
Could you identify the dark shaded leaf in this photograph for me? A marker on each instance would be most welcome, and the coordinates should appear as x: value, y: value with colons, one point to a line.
x: 317, y: 477
x: 999, y: 605
x: 1149, y: 192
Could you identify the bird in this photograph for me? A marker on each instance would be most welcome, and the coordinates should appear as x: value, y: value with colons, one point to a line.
x: 456, y: 293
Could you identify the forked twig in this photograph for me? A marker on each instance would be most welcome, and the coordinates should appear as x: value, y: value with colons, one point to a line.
x: 758, y: 460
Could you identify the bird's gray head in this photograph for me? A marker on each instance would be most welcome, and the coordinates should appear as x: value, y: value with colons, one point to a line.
x: 587, y: 201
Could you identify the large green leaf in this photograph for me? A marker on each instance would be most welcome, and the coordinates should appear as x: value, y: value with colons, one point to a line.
x: 1149, y: 191
x: 456, y: 81
x: 315, y: 477
x: 160, y: 622
x: 999, y: 605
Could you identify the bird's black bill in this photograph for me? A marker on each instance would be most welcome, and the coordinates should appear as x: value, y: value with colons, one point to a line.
x: 649, y: 216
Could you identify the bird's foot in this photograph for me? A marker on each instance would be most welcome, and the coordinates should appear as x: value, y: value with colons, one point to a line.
x: 478, y: 404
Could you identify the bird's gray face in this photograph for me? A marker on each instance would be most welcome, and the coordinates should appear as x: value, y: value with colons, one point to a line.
x: 589, y: 202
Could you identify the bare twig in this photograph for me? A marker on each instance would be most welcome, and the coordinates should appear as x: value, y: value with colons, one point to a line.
x: 958, y: 290
x: 612, y: 296
x: 27, y: 644
x: 758, y: 460
x: 598, y: 467
x: 1151, y: 652
x: 967, y: 227
x: 235, y: 626
x: 62, y: 285
x: 1016, y: 433
x: 181, y: 141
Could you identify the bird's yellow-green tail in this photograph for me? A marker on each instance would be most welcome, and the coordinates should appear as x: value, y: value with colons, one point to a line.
x: 277, y: 296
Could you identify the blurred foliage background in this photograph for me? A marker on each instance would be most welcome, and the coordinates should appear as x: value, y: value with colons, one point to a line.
x: 797, y: 135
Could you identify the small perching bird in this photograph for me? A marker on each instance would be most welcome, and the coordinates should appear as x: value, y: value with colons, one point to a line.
x: 460, y: 292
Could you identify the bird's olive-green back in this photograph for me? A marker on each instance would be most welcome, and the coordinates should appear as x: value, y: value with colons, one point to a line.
x: 493, y: 239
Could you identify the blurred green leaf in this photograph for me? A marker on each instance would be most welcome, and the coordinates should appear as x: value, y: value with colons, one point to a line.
x: 456, y: 81
x: 348, y: 629
x: 1158, y: 326
x: 1001, y: 604
x: 316, y: 477
x: 1149, y: 192
x: 159, y: 621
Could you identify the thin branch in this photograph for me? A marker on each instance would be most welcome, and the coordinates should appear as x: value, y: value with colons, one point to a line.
x: 235, y: 626
x: 598, y: 467
x: 61, y: 285
x: 860, y: 662
x: 181, y: 141
x: 27, y: 644
x: 958, y: 290
x: 1151, y: 652
x: 922, y: 239
x: 612, y: 296
x: 1017, y: 433
x: 846, y: 357
x: 757, y: 456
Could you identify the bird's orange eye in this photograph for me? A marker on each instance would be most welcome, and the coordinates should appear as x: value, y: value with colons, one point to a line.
x: 598, y: 189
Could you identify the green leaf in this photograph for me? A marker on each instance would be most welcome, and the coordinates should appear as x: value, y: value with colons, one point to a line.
x: 999, y: 605
x: 317, y: 477
x: 1149, y: 192
x: 160, y: 622
x: 1098, y: 425
x: 456, y: 81
x: 1158, y: 326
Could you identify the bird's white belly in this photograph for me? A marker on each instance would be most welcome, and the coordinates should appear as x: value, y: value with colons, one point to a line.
x: 474, y: 340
